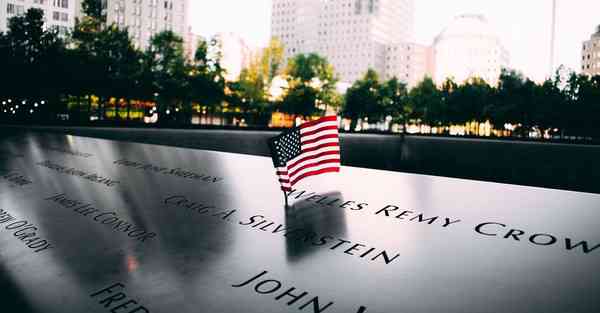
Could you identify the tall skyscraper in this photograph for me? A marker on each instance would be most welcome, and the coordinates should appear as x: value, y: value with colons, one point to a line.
x: 145, y: 18
x: 467, y: 48
x: 590, y: 54
x: 352, y: 34
x: 59, y: 14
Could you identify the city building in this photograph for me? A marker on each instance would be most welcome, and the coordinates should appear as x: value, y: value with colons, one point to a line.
x: 409, y: 62
x: 191, y: 40
x: 59, y: 14
x: 467, y: 48
x: 352, y: 34
x: 236, y: 54
x: 590, y: 54
x: 145, y: 18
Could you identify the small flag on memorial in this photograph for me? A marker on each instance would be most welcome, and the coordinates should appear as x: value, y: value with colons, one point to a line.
x: 313, y: 148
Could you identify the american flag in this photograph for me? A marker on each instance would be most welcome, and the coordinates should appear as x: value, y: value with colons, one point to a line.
x: 312, y: 148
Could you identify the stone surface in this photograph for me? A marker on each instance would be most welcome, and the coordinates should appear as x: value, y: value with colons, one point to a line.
x: 91, y: 225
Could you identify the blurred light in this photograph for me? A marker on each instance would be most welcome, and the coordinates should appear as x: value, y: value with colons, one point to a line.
x: 177, y: 110
x: 16, y: 106
x: 35, y: 105
x: 43, y: 102
x: 9, y: 100
x: 4, y: 102
x: 31, y: 111
x: 23, y: 102
x: 168, y: 112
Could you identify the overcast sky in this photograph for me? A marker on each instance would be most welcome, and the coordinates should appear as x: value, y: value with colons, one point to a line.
x: 523, y: 25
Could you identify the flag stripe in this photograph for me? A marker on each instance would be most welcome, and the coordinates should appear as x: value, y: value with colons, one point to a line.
x: 327, y: 131
x: 322, y: 120
x: 311, y: 154
x: 315, y: 167
x: 317, y: 147
x: 322, y: 128
x: 319, y: 143
x: 315, y: 172
x: 313, y: 164
x: 315, y: 156
x: 322, y: 137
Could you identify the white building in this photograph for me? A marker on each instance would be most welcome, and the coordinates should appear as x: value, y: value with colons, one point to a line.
x: 590, y: 54
x: 145, y: 18
x: 409, y: 62
x: 467, y: 48
x: 352, y: 34
x: 236, y: 54
x: 57, y: 13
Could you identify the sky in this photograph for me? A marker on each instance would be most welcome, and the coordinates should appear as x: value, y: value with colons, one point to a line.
x: 522, y: 25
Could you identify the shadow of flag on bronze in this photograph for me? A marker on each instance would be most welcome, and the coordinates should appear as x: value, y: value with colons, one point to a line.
x: 312, y: 148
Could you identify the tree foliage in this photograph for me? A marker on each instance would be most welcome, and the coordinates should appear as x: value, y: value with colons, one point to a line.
x: 311, y: 85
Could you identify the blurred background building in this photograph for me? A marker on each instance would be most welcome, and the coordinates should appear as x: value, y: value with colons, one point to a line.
x: 354, y: 35
x: 58, y: 13
x: 236, y: 54
x: 467, y: 48
x: 590, y: 54
x: 145, y: 18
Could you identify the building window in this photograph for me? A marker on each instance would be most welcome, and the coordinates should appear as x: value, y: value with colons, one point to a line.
x: 10, y: 8
x: 61, y: 4
x: 358, y: 7
x: 56, y: 16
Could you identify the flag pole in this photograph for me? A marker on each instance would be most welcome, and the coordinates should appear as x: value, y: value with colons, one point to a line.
x: 286, y: 198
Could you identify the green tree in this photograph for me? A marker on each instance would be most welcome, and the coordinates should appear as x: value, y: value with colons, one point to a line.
x: 364, y: 100
x: 394, y: 94
x: 94, y: 9
x: 311, y: 81
x: 271, y: 60
x: 583, y: 101
x: 33, y: 56
x: 169, y: 72
x: 207, y: 84
x: 250, y: 93
x: 468, y: 102
x: 427, y: 101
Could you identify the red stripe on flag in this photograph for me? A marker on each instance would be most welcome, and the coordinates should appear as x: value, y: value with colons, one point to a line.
x: 318, y: 130
x: 318, y: 155
x: 292, y: 174
x: 329, y: 144
x: 317, y: 172
x: 323, y: 137
x: 331, y: 118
